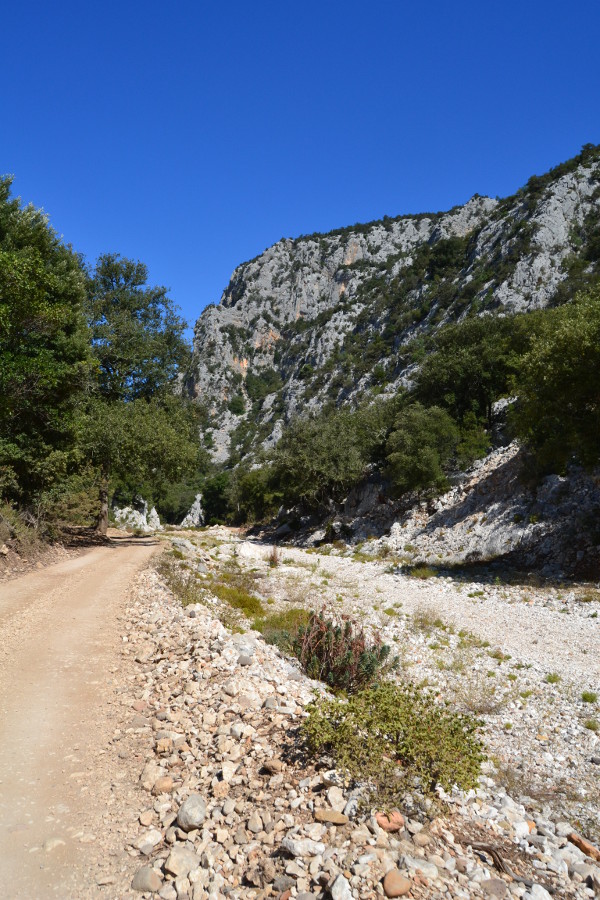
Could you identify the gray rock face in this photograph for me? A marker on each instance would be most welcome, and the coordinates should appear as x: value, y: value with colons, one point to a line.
x: 192, y: 813
x: 283, y: 337
x: 195, y: 517
x: 137, y: 516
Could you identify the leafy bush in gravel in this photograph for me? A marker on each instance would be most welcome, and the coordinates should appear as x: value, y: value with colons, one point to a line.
x: 340, y: 653
x: 387, y: 734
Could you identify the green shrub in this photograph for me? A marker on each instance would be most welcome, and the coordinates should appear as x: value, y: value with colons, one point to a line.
x: 23, y: 537
x: 281, y: 628
x: 422, y: 572
x: 589, y: 697
x: 591, y: 724
x: 339, y: 653
x: 552, y: 678
x: 238, y: 598
x: 237, y: 405
x: 393, y: 732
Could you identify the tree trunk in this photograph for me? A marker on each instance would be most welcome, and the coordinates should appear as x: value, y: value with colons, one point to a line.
x: 102, y: 525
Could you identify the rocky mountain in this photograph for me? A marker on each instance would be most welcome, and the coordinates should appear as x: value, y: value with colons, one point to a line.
x: 333, y: 317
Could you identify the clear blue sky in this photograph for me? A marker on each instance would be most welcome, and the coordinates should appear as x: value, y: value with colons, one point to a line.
x: 192, y: 135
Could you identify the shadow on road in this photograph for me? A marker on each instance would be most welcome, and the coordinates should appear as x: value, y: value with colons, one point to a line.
x: 81, y: 538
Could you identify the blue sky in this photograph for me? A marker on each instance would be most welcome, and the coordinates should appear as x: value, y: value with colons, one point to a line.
x: 193, y: 135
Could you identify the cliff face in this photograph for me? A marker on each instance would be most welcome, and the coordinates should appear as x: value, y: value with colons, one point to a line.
x: 329, y: 317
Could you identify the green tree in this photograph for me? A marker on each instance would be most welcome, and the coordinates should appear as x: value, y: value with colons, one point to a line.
x: 215, y: 497
x: 558, y: 386
x: 469, y: 367
x: 141, y: 444
x: 420, y: 447
x: 44, y: 353
x: 253, y: 494
x: 321, y: 458
x: 137, y: 334
x: 135, y: 431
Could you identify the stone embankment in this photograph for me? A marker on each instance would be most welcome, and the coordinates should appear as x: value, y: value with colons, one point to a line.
x: 229, y: 806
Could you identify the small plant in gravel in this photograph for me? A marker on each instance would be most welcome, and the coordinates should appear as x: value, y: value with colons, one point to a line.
x: 274, y: 557
x: 455, y: 664
x: 361, y: 556
x: 394, y: 732
x: 589, y: 697
x: 179, y: 580
x: 423, y: 572
x: 340, y: 654
x: 591, y: 724
x: 427, y: 619
x: 477, y: 695
x: 467, y: 640
x: 552, y: 678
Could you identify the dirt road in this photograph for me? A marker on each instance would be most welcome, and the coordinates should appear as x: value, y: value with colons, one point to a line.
x: 60, y: 665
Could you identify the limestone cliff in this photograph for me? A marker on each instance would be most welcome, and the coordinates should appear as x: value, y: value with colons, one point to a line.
x: 330, y: 317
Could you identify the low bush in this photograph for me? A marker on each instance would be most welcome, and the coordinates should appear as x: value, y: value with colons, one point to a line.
x: 423, y: 572
x: 426, y: 619
x: 281, y: 628
x: 238, y: 598
x: 179, y: 581
x: 393, y: 732
x: 340, y: 654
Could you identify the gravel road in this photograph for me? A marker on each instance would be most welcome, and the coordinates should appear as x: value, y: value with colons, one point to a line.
x: 59, y: 671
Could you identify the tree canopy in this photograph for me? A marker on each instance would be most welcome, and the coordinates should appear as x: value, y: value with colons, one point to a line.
x: 469, y: 367
x: 137, y: 334
x: 558, y: 386
x: 45, y: 361
x: 419, y: 448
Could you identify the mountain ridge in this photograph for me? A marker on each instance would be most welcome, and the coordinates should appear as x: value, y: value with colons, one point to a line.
x: 344, y: 315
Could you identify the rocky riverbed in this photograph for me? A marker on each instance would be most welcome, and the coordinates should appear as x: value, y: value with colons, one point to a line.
x: 229, y: 806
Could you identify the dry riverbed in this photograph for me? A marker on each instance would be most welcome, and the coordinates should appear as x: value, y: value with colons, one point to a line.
x: 232, y: 810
